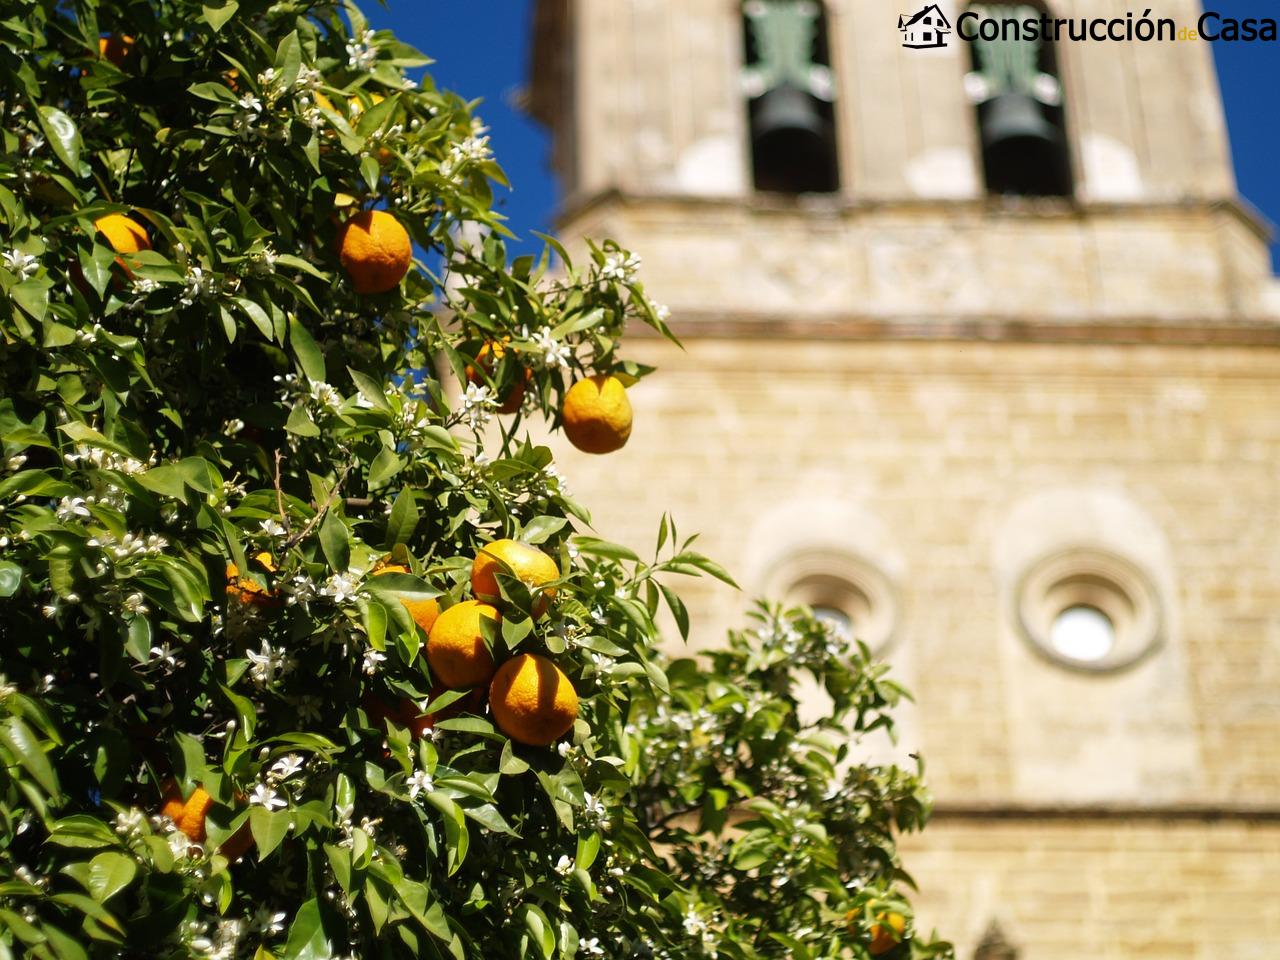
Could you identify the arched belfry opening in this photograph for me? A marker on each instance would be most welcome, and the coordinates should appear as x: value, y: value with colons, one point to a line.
x: 790, y: 92
x: 1016, y: 88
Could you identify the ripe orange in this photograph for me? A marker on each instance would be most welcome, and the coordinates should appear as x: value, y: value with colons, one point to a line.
x: 456, y: 650
x: 194, y: 813
x: 597, y: 414
x: 125, y: 236
x: 115, y: 49
x: 190, y: 817
x: 532, y: 700
x: 387, y: 565
x: 527, y: 564
x: 488, y: 358
x: 887, y: 936
x: 375, y: 250
x: 248, y: 591
x: 173, y: 803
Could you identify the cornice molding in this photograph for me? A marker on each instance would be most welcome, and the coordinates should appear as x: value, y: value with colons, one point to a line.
x: 702, y: 325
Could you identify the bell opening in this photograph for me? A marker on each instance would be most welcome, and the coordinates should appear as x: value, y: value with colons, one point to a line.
x: 1021, y: 117
x: 790, y: 89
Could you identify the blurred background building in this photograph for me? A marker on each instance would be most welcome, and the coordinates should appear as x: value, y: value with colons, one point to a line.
x: 982, y: 361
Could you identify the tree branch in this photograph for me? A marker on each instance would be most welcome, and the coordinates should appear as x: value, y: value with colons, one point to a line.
x: 315, y: 521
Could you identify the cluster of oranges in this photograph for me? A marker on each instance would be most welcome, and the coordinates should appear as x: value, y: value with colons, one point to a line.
x: 532, y: 700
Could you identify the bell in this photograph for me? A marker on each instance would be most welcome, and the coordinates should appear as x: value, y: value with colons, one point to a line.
x: 1022, y: 151
x: 792, y: 143
x: 1015, y: 117
x: 788, y: 112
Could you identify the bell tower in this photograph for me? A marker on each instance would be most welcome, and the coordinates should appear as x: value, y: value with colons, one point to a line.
x: 982, y: 362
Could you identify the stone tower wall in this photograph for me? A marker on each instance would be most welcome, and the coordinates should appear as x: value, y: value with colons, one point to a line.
x: 949, y: 391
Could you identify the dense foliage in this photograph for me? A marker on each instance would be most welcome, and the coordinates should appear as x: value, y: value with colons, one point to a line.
x: 222, y: 397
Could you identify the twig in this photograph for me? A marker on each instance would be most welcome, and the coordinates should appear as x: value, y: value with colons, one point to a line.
x: 284, y: 517
x: 314, y: 521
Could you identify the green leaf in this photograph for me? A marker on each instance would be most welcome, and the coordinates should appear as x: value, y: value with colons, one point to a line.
x: 678, y: 610
x: 259, y: 316
x: 306, y: 935
x: 385, y: 466
x: 289, y: 260
x: 403, y: 520
x: 217, y: 17
x: 514, y: 631
x: 138, y: 644
x: 340, y: 861
x: 335, y: 541
x: 509, y: 764
x: 218, y: 92
x: 90, y: 908
x: 288, y: 61
x: 61, y: 132
x: 540, y: 930
x: 32, y: 296
x: 375, y: 623
x: 305, y: 349
x: 300, y: 422
x: 455, y: 828
x: 10, y: 578
x: 588, y: 848
x: 269, y: 828
x: 703, y: 564
x: 82, y: 830
x: 370, y: 389
x: 603, y: 548
x: 541, y: 529
x: 109, y: 873
x: 371, y: 170
x: 26, y: 750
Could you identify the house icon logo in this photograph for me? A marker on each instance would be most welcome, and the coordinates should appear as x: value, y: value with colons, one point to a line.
x: 927, y: 30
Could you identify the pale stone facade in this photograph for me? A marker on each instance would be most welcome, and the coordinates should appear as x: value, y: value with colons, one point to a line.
x: 948, y: 389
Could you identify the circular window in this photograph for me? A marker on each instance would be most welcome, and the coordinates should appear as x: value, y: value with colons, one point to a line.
x: 848, y: 593
x: 1089, y: 609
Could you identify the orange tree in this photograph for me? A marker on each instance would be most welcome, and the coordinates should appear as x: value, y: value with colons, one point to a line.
x: 305, y: 650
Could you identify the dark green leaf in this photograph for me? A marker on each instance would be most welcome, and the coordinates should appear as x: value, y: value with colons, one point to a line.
x: 305, y: 349
x: 62, y: 135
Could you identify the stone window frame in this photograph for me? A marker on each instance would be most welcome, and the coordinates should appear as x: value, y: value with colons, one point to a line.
x: 1091, y: 576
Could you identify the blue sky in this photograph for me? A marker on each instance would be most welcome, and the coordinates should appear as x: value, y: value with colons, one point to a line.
x: 481, y: 50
